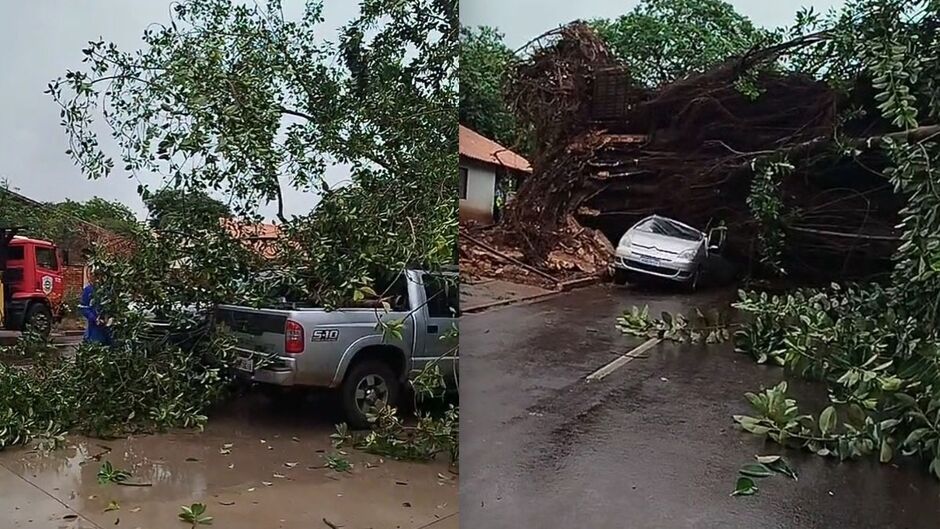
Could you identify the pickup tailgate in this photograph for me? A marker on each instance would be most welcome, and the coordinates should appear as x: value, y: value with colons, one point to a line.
x: 256, y: 330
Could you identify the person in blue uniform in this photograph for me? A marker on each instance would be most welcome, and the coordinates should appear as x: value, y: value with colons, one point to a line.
x: 96, y: 330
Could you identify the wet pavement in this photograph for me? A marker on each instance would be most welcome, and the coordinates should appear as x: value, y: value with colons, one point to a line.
x: 258, y: 465
x: 653, y: 444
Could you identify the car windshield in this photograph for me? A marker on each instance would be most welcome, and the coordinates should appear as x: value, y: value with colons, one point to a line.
x: 669, y: 228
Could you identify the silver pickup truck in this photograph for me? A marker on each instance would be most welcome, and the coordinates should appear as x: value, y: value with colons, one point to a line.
x: 346, y: 349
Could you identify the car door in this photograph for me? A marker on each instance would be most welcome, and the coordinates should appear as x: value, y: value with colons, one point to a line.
x: 441, y: 312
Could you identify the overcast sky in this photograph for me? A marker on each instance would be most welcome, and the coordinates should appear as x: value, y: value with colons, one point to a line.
x: 40, y: 40
x: 522, y: 20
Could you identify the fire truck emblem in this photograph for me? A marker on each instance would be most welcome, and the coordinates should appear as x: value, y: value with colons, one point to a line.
x: 47, y: 284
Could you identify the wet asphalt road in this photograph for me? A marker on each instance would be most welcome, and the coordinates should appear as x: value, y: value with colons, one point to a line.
x: 650, y: 446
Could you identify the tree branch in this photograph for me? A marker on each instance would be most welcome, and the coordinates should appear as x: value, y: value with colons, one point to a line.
x: 370, y: 157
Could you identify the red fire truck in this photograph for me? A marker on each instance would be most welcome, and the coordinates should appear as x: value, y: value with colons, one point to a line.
x: 31, y: 282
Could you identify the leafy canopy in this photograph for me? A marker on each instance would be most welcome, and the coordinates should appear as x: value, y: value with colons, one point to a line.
x: 662, y: 41
x: 63, y: 222
x: 164, y: 204
x: 484, y: 61
x: 240, y: 100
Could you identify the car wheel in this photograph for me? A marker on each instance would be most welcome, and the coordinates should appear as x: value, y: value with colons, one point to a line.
x: 620, y: 276
x: 38, y: 319
x: 370, y: 384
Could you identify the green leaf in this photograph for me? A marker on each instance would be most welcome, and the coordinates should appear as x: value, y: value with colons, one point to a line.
x: 905, y: 399
x: 886, y: 452
x: 755, y: 470
x: 827, y: 420
x: 915, y: 436
x: 745, y: 486
x: 751, y: 424
x: 888, y: 424
x: 781, y: 466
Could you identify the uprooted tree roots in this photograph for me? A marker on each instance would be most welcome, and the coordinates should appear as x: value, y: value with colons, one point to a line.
x: 609, y: 153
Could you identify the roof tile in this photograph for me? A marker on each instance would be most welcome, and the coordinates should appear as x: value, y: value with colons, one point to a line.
x: 474, y: 145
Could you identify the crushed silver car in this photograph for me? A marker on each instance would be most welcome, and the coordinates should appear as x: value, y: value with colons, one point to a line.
x: 664, y: 248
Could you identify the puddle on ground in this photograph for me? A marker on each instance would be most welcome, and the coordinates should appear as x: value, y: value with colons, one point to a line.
x: 255, y: 465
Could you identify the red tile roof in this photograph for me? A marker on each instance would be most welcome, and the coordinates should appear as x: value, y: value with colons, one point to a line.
x: 483, y: 149
x: 261, y: 237
x: 253, y: 231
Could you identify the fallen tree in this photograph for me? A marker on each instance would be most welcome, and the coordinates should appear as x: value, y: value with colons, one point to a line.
x: 771, y: 152
x: 874, y: 346
x: 238, y: 101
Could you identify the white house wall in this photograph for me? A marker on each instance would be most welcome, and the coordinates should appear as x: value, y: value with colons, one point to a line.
x: 481, y: 193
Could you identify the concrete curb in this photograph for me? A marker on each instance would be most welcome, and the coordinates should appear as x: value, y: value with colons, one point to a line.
x: 562, y: 287
x: 502, y: 302
x: 565, y: 286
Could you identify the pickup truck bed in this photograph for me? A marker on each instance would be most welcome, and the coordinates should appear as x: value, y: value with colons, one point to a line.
x: 346, y: 349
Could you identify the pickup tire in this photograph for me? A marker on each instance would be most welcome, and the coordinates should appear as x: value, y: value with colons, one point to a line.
x: 369, y: 382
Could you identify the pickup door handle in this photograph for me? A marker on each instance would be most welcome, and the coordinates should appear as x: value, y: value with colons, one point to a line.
x: 432, y: 329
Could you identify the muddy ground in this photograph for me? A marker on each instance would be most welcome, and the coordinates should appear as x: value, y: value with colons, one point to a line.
x: 271, y: 476
x: 652, y: 445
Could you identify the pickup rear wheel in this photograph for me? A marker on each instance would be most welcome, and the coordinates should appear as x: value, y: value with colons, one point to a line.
x: 369, y: 384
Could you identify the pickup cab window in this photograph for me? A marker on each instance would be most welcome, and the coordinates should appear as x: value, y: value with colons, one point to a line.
x: 394, y: 292
x: 443, y: 296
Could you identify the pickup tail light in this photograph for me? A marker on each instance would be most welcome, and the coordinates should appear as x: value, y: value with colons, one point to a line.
x: 293, y: 337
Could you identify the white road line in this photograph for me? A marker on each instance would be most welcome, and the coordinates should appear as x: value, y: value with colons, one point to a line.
x: 623, y: 360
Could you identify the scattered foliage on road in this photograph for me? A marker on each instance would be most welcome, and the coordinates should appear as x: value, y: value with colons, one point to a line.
x: 766, y: 466
x: 108, y: 474
x: 338, y: 463
x: 436, y: 431
x: 701, y: 327
x: 194, y: 514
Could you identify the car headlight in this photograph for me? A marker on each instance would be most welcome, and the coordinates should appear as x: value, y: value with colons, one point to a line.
x: 625, y: 243
x: 688, y: 254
